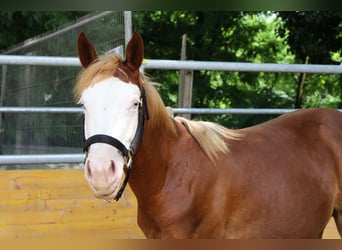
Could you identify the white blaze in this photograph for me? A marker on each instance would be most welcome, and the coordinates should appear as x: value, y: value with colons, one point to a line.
x: 110, y: 108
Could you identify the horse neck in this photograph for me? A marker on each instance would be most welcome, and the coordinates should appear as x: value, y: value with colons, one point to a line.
x: 150, y: 162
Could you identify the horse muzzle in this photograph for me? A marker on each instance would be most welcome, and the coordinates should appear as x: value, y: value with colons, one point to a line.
x: 103, y: 177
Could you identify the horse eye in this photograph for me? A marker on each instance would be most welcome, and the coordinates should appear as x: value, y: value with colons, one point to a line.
x: 136, y: 104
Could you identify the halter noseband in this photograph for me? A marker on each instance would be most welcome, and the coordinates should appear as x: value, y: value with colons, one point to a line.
x: 127, y: 154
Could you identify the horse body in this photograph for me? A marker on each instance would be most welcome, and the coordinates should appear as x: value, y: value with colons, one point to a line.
x: 285, y: 187
x: 279, y: 179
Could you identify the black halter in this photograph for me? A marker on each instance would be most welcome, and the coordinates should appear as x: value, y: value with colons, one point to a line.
x: 127, y: 154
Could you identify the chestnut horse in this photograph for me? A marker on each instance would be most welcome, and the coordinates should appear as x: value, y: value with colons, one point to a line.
x: 196, y: 179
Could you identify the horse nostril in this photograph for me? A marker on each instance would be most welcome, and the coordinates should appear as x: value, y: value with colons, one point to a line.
x: 112, y: 166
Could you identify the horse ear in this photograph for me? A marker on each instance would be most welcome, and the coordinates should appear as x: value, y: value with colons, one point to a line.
x: 86, y: 51
x: 134, y: 52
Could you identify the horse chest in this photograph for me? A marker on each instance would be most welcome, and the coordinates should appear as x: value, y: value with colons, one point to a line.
x: 180, y: 214
x: 183, y: 227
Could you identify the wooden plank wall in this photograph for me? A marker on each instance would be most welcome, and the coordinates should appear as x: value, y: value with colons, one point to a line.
x: 59, y: 203
x: 55, y: 203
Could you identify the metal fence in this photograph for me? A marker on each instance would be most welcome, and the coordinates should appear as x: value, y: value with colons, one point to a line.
x: 150, y: 64
x: 48, y: 85
x: 179, y: 65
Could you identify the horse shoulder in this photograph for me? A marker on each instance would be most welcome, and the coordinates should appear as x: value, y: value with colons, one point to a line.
x: 184, y: 207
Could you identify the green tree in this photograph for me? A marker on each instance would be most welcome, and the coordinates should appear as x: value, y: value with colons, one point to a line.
x: 245, y: 37
x: 316, y: 37
x: 17, y: 26
x: 222, y: 36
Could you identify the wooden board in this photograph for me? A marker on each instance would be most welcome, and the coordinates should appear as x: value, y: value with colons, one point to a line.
x: 54, y: 203
x: 59, y: 203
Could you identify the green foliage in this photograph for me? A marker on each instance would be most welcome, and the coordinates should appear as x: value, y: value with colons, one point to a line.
x: 245, y: 37
x: 317, y: 36
x: 272, y: 37
x: 17, y: 26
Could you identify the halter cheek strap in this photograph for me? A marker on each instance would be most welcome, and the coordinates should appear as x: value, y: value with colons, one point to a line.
x: 126, y: 153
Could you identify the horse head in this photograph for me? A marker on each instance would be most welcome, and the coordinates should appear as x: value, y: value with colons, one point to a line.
x: 109, y: 90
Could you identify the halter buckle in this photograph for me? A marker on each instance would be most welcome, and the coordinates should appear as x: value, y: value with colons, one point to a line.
x: 129, y: 160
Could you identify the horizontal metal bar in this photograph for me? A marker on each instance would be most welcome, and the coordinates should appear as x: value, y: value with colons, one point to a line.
x: 175, y: 110
x: 246, y: 111
x: 4, y: 109
x: 231, y: 111
x: 242, y: 66
x: 182, y: 65
x: 40, y: 60
x: 41, y: 159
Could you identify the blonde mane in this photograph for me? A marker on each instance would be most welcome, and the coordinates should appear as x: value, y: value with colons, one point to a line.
x: 104, y: 67
x: 210, y: 136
